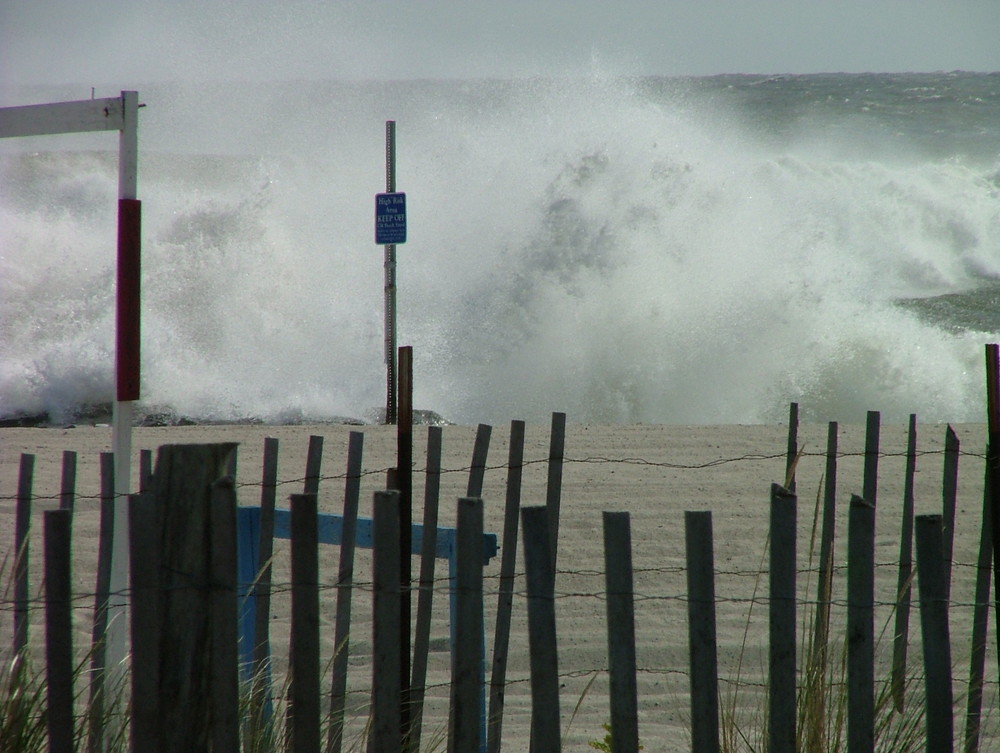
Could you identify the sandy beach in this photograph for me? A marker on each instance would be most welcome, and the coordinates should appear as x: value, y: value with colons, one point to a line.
x: 654, y: 472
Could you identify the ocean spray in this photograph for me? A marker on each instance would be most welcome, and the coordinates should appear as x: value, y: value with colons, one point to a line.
x: 589, y: 246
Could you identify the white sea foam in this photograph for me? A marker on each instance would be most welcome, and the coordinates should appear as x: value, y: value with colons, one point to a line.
x: 578, y: 246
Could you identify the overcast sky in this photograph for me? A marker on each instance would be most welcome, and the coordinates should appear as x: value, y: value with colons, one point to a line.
x: 141, y: 41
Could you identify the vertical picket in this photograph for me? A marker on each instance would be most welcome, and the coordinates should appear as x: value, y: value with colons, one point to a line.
x: 861, y: 627
x: 621, y: 631
x: 553, y: 487
x: 903, y: 582
x: 542, y: 646
x: 345, y: 586
x: 505, y: 595
x: 98, y: 649
x: 931, y: 568
x: 781, y: 676
x: 304, y: 659
x: 702, y: 645
x: 466, y: 669
x: 224, y: 673
x: 386, y: 724
x: 425, y: 595
x: 58, y: 630
x: 22, y: 527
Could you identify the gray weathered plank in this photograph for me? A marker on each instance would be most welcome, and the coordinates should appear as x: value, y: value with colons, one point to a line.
x: 304, y: 659
x: 425, y: 584
x: 702, y: 644
x: 553, y: 486
x: 58, y: 630
x: 262, y: 588
x: 345, y: 586
x: 385, y: 734
x: 861, y: 626
x: 505, y: 588
x: 467, y: 655
x: 542, y: 645
x: 67, y: 487
x: 145, y: 614
x: 781, y: 675
x: 224, y: 680
x: 934, y: 631
x: 792, y: 452
x: 620, y: 610
x: 904, y: 580
x: 183, y: 490
x: 949, y: 498
x: 98, y: 647
x: 22, y: 528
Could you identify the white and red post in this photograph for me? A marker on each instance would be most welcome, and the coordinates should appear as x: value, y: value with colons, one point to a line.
x: 111, y: 114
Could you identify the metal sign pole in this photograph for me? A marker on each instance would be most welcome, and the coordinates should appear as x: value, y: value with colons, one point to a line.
x: 390, y: 282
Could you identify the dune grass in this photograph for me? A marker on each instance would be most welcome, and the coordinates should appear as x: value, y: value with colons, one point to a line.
x: 821, y: 724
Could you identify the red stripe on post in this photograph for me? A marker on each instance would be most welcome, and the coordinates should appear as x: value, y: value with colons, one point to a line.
x: 127, y: 310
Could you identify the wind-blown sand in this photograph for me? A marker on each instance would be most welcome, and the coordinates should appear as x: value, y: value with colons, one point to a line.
x: 654, y: 472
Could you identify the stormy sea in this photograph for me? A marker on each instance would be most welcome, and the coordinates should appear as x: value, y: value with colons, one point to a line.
x: 663, y: 250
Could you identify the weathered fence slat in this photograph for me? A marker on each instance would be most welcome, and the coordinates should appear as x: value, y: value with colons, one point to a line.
x: 425, y: 587
x: 477, y: 475
x: 817, y: 656
x: 183, y: 490
x: 553, y: 487
x: 144, y: 577
x: 702, y: 646
x: 314, y: 465
x: 67, y: 487
x: 404, y: 483
x: 386, y: 728
x: 993, y: 467
x: 477, y: 470
x: 904, y: 581
x: 265, y: 549
x: 542, y: 647
x: 505, y: 589
x: 345, y: 584
x: 310, y: 485
x: 934, y: 631
x: 58, y: 630
x: 949, y: 497
x: 98, y: 647
x: 624, y: 700
x: 224, y: 679
x: 145, y: 470
x: 22, y: 527
x: 824, y: 585
x: 781, y: 675
x: 861, y: 626
x: 870, y: 485
x: 791, y: 455
x: 304, y: 692
x: 980, y: 621
x: 465, y: 729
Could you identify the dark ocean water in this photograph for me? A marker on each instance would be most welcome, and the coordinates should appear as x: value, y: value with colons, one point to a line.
x: 662, y: 250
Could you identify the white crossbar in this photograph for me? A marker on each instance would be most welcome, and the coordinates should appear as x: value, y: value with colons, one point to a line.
x: 62, y: 117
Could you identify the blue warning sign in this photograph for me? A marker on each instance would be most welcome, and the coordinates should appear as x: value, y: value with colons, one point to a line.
x: 390, y: 218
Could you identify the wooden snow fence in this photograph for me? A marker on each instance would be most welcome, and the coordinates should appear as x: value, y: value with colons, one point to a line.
x: 186, y: 655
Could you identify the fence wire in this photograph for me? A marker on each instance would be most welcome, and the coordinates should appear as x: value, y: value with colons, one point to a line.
x: 299, y: 481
